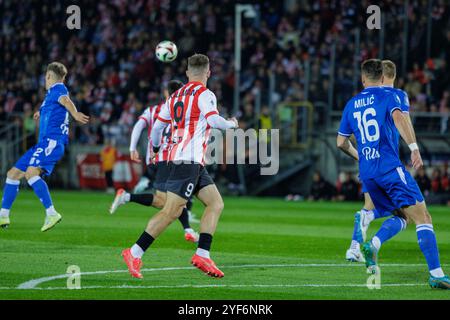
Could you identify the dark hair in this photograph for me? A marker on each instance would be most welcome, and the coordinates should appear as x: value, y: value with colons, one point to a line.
x: 372, y: 69
x: 174, y: 85
x: 389, y: 70
x: 58, y: 69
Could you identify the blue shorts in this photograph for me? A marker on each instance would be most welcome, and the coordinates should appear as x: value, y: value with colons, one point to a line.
x: 44, y: 155
x: 393, y: 190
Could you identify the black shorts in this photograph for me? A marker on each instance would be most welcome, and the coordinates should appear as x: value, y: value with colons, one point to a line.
x: 150, y: 173
x: 162, y: 174
x: 186, y: 179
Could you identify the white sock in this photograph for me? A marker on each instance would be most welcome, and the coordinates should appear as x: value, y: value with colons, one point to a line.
x: 437, y: 273
x: 189, y: 230
x: 354, y: 245
x: 4, y: 213
x: 51, y: 211
x: 369, y: 216
x: 376, y: 243
x: 203, y: 253
x: 126, y: 197
x: 137, y: 251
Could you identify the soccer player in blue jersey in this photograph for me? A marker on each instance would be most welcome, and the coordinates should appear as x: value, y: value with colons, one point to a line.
x: 375, y: 118
x: 40, y: 160
x: 369, y: 213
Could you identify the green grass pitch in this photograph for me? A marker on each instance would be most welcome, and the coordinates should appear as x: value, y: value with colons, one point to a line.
x: 268, y: 249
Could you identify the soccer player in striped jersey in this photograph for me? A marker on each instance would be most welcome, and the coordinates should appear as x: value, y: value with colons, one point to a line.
x: 191, y: 112
x: 40, y: 160
x: 157, y: 163
x: 369, y: 213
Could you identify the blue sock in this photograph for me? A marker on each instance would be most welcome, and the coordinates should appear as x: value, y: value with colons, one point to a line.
x: 10, y: 191
x: 41, y: 190
x: 357, y: 236
x: 388, y: 229
x: 428, y: 246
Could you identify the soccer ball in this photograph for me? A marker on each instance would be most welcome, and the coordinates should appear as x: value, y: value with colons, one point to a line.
x: 166, y: 51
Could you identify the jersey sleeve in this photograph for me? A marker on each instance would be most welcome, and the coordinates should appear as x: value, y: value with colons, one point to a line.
x: 164, y: 114
x: 146, y: 116
x: 405, y: 102
x: 345, y: 128
x: 393, y: 103
x: 207, y: 103
x: 61, y: 91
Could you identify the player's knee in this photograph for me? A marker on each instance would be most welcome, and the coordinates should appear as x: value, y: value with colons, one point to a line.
x: 171, y: 214
x: 158, y: 201
x: 217, y: 206
x: 15, y: 174
x: 32, y: 172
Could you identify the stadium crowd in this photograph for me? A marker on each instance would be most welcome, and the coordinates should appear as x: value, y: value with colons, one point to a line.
x: 113, y: 73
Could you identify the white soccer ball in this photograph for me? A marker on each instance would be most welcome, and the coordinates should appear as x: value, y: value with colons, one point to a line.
x: 166, y: 51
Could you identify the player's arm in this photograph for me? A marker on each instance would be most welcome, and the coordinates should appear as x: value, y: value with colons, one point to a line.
x: 406, y: 131
x: 217, y: 122
x: 207, y: 103
x: 346, y: 146
x: 157, y: 132
x: 140, y: 125
x: 344, y: 133
x: 162, y: 121
x: 408, y: 117
x: 69, y: 105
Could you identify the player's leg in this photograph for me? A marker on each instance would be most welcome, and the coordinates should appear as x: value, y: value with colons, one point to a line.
x: 146, y: 199
x: 47, y: 154
x: 427, y: 242
x: 388, y: 229
x: 192, y: 217
x: 10, y: 191
x: 40, y: 188
x: 157, y: 224
x: 211, y: 198
x: 363, y: 218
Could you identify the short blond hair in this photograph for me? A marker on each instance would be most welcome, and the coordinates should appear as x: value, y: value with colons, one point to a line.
x: 58, y: 69
x: 198, y: 63
x: 389, y: 69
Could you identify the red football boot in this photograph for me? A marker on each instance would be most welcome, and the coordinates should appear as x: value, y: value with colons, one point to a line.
x: 134, y: 264
x: 207, y: 266
x: 191, y: 236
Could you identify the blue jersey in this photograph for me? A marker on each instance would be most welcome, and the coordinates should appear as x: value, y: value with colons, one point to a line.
x: 403, y: 96
x: 368, y: 116
x: 54, y: 117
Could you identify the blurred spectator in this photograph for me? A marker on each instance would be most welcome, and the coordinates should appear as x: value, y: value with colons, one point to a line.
x: 436, y: 183
x: 321, y: 189
x: 423, y: 181
x: 349, y: 190
x: 108, y: 156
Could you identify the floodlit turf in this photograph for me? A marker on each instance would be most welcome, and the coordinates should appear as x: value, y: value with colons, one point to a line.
x: 268, y: 249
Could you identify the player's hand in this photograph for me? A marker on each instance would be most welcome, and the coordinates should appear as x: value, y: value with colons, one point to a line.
x: 416, y: 159
x: 134, y: 155
x: 236, y: 124
x: 37, y: 115
x: 81, y: 117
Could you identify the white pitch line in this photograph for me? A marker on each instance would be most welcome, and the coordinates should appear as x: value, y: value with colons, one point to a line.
x: 31, y: 284
x: 309, y: 285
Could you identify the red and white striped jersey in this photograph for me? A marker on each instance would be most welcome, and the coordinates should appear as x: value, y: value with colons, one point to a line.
x: 149, y: 116
x: 187, y: 110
